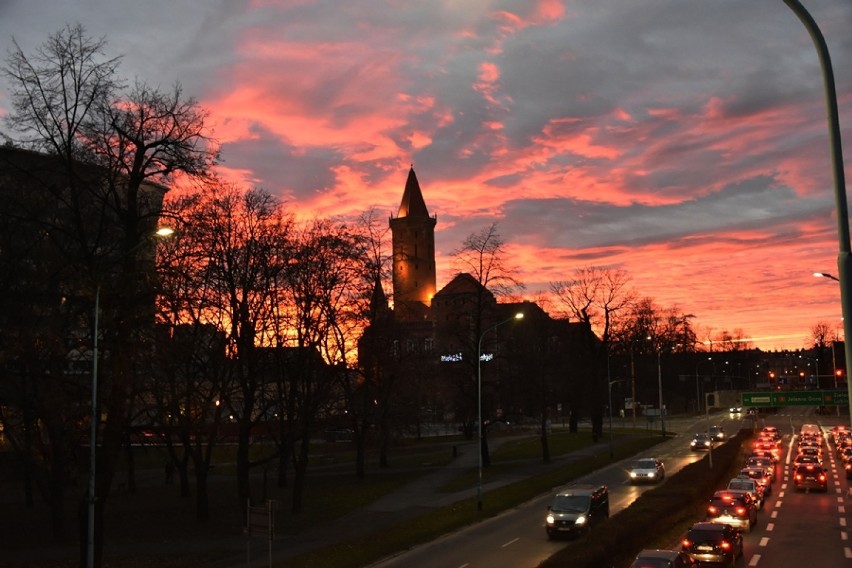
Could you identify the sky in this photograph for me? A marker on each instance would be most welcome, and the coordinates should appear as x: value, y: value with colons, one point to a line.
x: 682, y: 141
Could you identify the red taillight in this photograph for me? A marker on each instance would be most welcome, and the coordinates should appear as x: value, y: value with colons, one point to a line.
x: 822, y: 477
x: 686, y: 543
x: 711, y: 510
x: 741, y: 511
x: 726, y: 545
x: 798, y: 477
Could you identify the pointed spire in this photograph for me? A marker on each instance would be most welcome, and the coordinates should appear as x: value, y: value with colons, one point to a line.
x: 378, y: 301
x: 412, y: 199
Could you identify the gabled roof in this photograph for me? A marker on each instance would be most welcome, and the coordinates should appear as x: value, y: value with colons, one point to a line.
x: 412, y: 199
x: 462, y: 283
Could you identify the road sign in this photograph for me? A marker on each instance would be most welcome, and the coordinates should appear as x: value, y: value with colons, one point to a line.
x: 796, y: 398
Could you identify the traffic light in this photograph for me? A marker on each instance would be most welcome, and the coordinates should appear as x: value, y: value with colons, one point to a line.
x: 771, y: 375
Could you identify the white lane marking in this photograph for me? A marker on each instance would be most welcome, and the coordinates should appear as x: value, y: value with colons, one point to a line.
x: 513, y: 541
x: 774, y: 514
x: 847, y: 551
x: 755, y: 558
x: 770, y: 527
x: 465, y: 565
x: 764, y: 541
x: 841, y: 509
x: 844, y: 535
x: 842, y: 521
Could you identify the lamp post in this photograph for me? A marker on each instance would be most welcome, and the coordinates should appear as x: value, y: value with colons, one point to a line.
x: 94, y: 418
x: 844, y: 255
x: 697, y: 391
x: 660, y: 386
x: 517, y: 316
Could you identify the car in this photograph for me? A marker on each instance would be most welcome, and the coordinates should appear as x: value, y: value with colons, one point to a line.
x: 760, y: 475
x: 846, y: 463
x: 656, y: 558
x: 717, y: 433
x: 713, y: 542
x: 770, y: 431
x: 576, y: 510
x: 736, y: 410
x: 767, y: 463
x: 700, y: 441
x: 811, y: 451
x: 808, y: 476
x: 647, y: 469
x: 766, y: 449
x: 838, y: 430
x: 810, y: 429
x: 750, y: 486
x: 805, y: 459
x: 736, y: 508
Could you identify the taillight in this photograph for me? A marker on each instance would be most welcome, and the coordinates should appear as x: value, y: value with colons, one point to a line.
x: 822, y: 477
x: 726, y: 545
x: 741, y: 511
x: 711, y: 510
x: 798, y: 477
x: 686, y: 543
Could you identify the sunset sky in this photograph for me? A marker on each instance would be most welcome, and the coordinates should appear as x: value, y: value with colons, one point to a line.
x: 684, y: 141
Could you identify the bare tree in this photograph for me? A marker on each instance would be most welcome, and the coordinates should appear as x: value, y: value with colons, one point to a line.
x: 482, y: 255
x: 596, y: 297
x: 821, y: 335
x: 116, y: 148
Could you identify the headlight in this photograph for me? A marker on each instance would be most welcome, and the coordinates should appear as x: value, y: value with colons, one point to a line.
x: 550, y: 520
x: 581, y: 520
x: 632, y: 474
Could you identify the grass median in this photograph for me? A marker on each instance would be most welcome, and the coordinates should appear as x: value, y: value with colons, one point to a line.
x: 434, y: 523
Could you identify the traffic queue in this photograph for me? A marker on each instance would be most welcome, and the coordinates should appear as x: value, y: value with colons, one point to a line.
x: 735, y: 509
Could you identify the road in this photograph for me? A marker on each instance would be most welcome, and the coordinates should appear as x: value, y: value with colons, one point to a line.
x: 793, y: 530
x: 517, y: 538
x: 802, y: 529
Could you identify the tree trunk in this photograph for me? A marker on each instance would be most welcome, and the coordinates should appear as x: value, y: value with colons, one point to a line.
x: 202, y: 502
x: 301, y: 467
x: 360, y: 454
x: 131, y: 465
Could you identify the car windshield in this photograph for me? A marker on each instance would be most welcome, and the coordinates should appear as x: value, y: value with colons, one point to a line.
x: 645, y: 464
x: 741, y: 484
x: 570, y: 503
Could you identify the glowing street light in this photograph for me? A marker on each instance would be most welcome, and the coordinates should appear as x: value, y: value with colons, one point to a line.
x: 162, y: 232
x: 826, y: 275
x: 517, y: 316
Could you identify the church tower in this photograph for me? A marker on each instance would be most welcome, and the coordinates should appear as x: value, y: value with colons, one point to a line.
x: 413, y: 236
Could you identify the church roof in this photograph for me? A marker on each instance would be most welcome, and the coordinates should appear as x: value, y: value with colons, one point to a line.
x: 412, y: 199
x: 462, y: 283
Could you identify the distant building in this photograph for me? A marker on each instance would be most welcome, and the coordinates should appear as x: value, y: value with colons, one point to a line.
x: 427, y: 344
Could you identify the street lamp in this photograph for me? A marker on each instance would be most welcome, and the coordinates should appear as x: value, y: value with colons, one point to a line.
x: 844, y: 255
x: 162, y: 232
x: 517, y: 316
x: 660, y: 386
x: 697, y: 391
x: 826, y: 275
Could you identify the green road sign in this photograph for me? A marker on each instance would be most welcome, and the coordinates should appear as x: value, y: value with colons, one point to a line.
x: 796, y: 398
